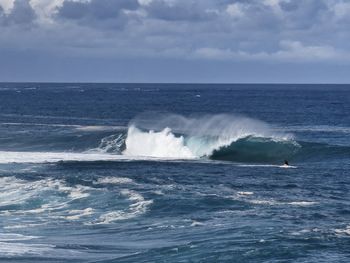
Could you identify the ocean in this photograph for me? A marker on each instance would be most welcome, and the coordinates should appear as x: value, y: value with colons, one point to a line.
x: 174, y: 173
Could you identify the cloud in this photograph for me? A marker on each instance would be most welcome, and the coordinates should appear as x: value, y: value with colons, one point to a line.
x: 290, y: 51
x: 220, y: 31
x: 6, y: 5
x: 21, y: 13
x: 45, y: 9
x: 341, y: 10
x: 235, y: 10
x: 296, y: 51
x: 100, y: 13
x: 181, y: 10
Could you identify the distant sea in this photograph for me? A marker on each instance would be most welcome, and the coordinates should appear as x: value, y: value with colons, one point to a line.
x: 174, y: 173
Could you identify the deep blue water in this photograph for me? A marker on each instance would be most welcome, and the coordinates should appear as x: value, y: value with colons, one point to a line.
x: 174, y: 173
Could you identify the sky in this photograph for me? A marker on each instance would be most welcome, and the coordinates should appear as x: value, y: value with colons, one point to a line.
x: 175, y: 41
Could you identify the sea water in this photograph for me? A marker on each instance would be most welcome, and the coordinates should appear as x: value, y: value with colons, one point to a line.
x: 174, y: 173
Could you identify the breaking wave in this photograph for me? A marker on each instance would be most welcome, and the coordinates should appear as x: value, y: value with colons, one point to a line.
x: 222, y: 137
x: 169, y: 136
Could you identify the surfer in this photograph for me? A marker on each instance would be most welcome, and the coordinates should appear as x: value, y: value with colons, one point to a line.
x: 286, y: 163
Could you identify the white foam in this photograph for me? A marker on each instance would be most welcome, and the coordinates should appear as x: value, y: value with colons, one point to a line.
x: 196, y: 223
x: 300, y: 232
x: 302, y: 203
x: 275, y: 202
x: 15, y: 191
x: 345, y: 231
x: 77, y: 214
x: 99, y: 128
x: 8, y: 157
x: 112, y: 143
x: 156, y: 144
x: 137, y: 208
x: 264, y: 202
x: 15, y: 237
x: 59, y: 206
x: 21, y: 226
x: 288, y: 166
x: 245, y: 193
x: 113, y: 180
x: 249, y: 197
x: 14, y: 249
x: 268, y: 165
x: 258, y: 165
x: 53, y: 157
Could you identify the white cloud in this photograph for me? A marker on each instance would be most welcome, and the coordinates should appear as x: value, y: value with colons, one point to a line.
x: 45, y: 8
x: 6, y: 5
x: 341, y: 9
x: 145, y: 2
x: 274, y: 5
x: 235, y: 10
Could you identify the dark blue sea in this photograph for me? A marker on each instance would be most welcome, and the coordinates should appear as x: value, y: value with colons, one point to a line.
x: 174, y: 173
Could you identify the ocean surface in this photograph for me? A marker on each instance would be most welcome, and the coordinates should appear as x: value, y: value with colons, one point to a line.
x: 174, y: 173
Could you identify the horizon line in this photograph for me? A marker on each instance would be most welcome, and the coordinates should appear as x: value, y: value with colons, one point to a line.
x: 171, y: 83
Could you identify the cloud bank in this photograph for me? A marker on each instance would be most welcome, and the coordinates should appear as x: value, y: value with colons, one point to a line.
x: 248, y: 31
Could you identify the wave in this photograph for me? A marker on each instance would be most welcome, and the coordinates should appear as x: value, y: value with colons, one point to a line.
x: 165, y: 144
x: 257, y: 149
x: 163, y: 137
x: 219, y: 137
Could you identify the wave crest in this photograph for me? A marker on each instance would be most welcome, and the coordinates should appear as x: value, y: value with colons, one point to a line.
x: 223, y: 137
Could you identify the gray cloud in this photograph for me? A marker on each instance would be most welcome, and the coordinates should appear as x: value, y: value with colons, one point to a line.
x: 101, y: 13
x: 220, y: 31
x: 22, y: 13
x: 182, y: 27
x: 179, y: 11
x: 2, y: 14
